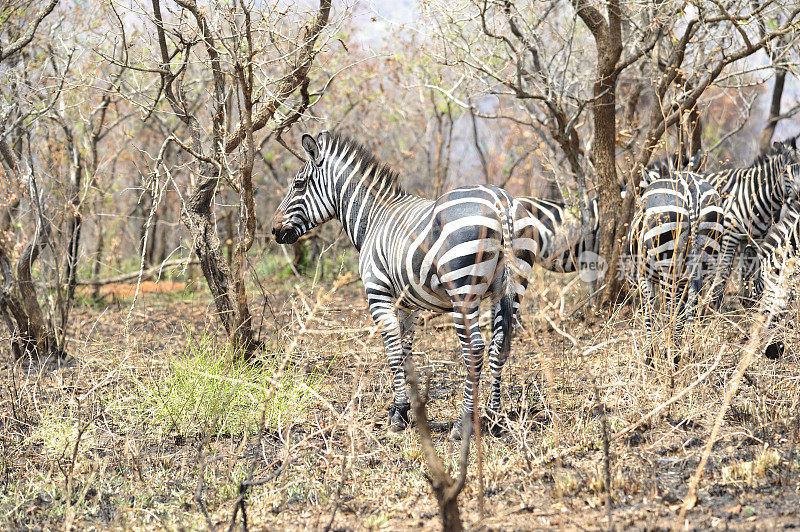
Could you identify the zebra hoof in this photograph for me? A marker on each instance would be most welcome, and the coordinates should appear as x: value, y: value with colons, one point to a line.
x: 774, y: 350
x: 398, y: 418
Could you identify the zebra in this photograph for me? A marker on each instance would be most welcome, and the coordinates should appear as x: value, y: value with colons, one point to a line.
x: 674, y: 240
x: 775, y: 266
x: 444, y: 255
x: 752, y: 200
x: 664, y: 168
x: 562, y: 240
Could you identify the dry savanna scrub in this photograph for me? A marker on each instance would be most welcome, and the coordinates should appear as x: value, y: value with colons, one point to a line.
x: 152, y: 425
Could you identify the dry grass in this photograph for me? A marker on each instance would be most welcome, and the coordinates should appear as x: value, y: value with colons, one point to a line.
x: 148, y: 429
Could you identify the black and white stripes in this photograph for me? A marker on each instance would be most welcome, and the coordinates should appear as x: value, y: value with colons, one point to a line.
x: 752, y: 200
x: 444, y: 255
x: 674, y: 241
x: 777, y: 270
x: 562, y: 240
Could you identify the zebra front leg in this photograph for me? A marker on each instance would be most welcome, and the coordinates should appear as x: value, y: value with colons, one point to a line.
x: 469, y: 334
x: 386, y: 317
x: 408, y: 324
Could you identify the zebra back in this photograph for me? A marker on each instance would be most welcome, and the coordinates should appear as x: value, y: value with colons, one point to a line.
x: 754, y: 196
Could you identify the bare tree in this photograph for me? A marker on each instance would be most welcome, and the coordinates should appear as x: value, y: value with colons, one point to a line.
x: 30, y: 333
x: 230, y: 69
x: 607, y: 35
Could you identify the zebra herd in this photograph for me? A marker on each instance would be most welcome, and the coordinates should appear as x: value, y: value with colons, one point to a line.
x: 688, y: 228
x: 479, y: 242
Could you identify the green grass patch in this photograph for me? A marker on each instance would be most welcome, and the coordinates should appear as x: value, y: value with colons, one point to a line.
x: 208, y: 393
x: 274, y: 265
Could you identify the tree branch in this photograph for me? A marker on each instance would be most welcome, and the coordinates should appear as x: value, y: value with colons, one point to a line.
x: 291, y: 82
x: 27, y: 37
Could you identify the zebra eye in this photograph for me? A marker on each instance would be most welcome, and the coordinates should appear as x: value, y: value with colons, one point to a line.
x: 299, y: 185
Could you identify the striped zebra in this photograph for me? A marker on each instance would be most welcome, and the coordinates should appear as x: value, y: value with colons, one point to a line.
x: 674, y: 241
x: 752, y: 200
x: 777, y: 267
x: 664, y: 168
x: 443, y: 255
x: 562, y: 239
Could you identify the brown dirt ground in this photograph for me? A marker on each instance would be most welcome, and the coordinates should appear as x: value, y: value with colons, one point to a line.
x: 335, y: 467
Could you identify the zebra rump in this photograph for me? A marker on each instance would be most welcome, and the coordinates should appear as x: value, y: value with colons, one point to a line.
x: 673, y: 242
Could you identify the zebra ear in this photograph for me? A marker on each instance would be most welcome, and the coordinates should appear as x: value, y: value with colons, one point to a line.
x: 311, y: 148
x: 645, y: 179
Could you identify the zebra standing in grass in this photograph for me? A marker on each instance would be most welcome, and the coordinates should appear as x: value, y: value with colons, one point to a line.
x: 776, y: 266
x: 674, y: 241
x: 443, y: 255
x: 752, y: 199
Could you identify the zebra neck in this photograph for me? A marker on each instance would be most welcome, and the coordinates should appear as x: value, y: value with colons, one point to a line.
x: 765, y: 179
x: 360, y: 201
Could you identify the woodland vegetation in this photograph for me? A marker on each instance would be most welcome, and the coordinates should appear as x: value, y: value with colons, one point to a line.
x: 166, y: 364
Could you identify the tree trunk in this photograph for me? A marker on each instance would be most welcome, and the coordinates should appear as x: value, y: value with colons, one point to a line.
x: 152, y: 240
x: 608, y: 41
x: 765, y: 139
x: 695, y: 133
x: 74, y: 231
x: 39, y: 339
x: 198, y: 218
x: 98, y: 260
x: 18, y: 301
x: 226, y: 281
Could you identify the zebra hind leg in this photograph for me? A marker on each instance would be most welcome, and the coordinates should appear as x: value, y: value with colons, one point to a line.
x: 465, y: 319
x: 503, y: 314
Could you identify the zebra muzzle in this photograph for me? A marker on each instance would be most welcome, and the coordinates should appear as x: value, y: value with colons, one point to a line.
x: 285, y: 235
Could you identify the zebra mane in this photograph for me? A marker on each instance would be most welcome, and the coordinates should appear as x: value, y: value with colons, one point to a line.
x: 776, y: 150
x: 764, y: 158
x: 383, y: 174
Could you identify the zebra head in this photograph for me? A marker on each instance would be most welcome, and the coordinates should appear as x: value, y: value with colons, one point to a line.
x: 308, y: 201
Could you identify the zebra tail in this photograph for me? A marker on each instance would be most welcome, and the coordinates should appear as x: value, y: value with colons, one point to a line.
x: 509, y: 286
x: 507, y: 313
x: 696, y: 249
